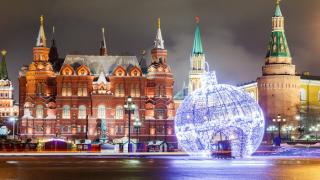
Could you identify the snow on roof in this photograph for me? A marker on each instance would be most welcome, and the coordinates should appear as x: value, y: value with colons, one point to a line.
x: 104, y: 64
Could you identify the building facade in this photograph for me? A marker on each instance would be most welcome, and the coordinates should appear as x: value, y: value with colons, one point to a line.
x: 282, y: 92
x: 85, y: 97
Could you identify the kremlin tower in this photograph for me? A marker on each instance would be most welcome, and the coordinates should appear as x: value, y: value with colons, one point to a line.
x: 278, y: 87
x: 7, y: 107
x: 197, y: 61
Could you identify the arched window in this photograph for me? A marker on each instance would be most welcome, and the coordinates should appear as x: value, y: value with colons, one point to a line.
x: 160, y: 113
x: 82, y: 112
x: 101, y: 112
x: 303, y: 94
x: 66, y: 112
x: 39, y: 111
x: 119, y: 112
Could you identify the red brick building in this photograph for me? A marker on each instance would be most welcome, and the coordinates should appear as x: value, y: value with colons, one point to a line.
x: 90, y: 90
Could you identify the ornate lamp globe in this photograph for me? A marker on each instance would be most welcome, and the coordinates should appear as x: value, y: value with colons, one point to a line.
x: 218, y: 113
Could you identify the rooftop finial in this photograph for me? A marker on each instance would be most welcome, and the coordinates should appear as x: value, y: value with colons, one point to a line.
x: 278, y: 2
x: 158, y: 23
x: 3, y: 52
x: 197, y: 19
x: 41, y: 20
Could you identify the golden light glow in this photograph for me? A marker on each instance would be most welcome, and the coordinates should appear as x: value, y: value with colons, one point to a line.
x: 3, y: 52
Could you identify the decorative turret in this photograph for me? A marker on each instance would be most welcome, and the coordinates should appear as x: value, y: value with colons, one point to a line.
x: 103, y: 47
x: 278, y: 50
x: 197, y: 43
x: 3, y: 66
x: 41, y: 40
x: 159, y: 53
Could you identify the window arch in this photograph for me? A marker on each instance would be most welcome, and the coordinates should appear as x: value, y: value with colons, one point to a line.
x: 303, y: 94
x: 39, y: 111
x: 66, y: 112
x: 82, y: 113
x: 119, y: 112
x: 101, y: 112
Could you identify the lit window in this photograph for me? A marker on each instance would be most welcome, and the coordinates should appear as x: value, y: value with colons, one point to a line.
x: 101, y: 112
x: 303, y: 94
x: 119, y: 112
x: 82, y: 112
x: 66, y: 112
x: 39, y: 111
x: 69, y: 93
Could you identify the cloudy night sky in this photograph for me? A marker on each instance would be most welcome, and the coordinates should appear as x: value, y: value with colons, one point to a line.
x: 235, y: 33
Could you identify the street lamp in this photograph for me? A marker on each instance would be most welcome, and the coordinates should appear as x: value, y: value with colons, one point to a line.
x: 314, y: 129
x: 137, y: 125
x: 288, y: 129
x: 279, y: 120
x: 129, y: 108
x: 272, y: 129
x: 13, y: 120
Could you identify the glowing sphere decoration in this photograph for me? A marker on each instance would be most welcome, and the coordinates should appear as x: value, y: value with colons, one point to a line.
x: 216, y: 113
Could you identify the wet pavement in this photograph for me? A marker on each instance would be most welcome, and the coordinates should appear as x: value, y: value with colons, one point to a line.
x: 156, y: 167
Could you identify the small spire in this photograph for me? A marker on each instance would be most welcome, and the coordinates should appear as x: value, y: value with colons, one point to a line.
x: 103, y: 39
x: 103, y: 47
x: 3, y: 66
x: 41, y: 40
x: 158, y: 43
x: 278, y: 12
x: 197, y: 42
x: 158, y: 23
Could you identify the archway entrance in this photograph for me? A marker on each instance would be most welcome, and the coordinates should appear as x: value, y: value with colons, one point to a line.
x: 228, y: 143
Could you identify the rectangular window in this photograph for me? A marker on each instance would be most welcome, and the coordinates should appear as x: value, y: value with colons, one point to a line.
x: 69, y: 90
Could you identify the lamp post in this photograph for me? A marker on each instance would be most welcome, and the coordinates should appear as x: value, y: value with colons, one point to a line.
x: 129, y: 108
x: 288, y: 129
x: 272, y: 129
x: 13, y: 120
x: 314, y: 129
x: 279, y: 120
x: 137, y: 125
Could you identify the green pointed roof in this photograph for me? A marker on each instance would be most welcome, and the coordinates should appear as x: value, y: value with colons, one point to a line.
x: 278, y: 12
x: 197, y: 43
x: 278, y: 45
x: 3, y: 66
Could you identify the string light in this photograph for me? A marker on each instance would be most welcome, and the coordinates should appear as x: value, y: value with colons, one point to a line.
x: 218, y: 112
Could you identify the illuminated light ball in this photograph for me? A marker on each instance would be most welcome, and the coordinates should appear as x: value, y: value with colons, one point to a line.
x: 217, y: 114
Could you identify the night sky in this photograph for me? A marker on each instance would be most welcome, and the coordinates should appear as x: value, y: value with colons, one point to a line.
x: 235, y: 33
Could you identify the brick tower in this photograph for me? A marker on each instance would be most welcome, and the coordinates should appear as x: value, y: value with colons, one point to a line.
x: 278, y: 87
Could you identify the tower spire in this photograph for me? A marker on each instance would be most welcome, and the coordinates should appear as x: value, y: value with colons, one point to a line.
x: 158, y: 43
x: 41, y: 40
x: 278, y: 46
x: 103, y: 47
x: 278, y: 12
x: 3, y: 66
x: 53, y: 53
x: 197, y: 43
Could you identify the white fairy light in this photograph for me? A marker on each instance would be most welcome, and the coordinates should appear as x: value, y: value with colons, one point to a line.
x: 215, y: 111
